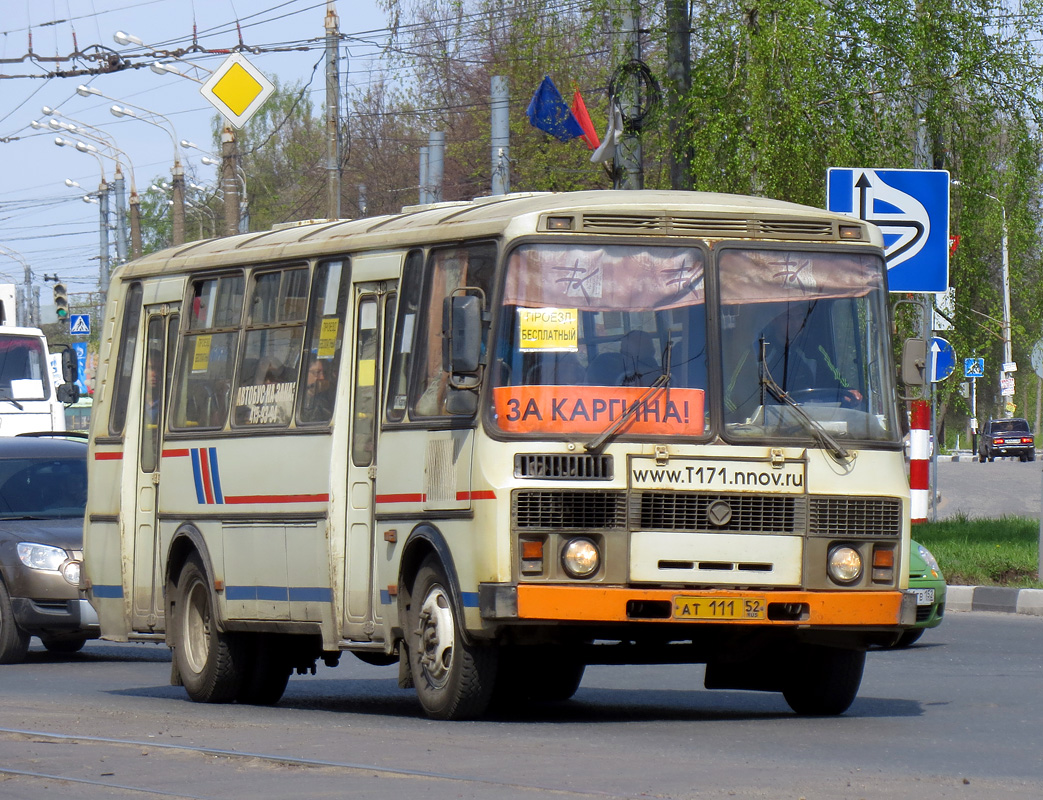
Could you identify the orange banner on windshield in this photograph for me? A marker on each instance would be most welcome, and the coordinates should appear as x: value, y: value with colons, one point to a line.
x: 591, y: 409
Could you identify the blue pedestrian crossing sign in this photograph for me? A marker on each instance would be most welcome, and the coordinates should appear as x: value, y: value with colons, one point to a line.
x: 942, y: 359
x: 974, y: 367
x: 80, y: 324
x: 911, y: 208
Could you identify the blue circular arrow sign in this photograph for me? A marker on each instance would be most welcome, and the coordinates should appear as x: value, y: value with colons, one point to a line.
x: 942, y: 359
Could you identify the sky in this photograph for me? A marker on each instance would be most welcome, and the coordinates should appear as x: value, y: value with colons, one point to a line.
x: 47, y: 223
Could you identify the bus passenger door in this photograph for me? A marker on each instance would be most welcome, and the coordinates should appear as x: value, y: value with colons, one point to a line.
x: 374, y: 312
x: 161, y: 327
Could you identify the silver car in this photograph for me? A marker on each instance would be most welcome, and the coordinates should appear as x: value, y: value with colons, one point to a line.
x: 43, y: 491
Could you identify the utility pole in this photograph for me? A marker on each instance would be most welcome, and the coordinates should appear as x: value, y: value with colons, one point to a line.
x: 678, y: 85
x: 119, y: 201
x: 425, y: 156
x: 229, y: 182
x: 435, y: 165
x: 629, y: 170
x: 103, y: 238
x: 500, y: 128
x: 332, y: 112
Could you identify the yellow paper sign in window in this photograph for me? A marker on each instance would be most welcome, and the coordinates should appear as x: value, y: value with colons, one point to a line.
x: 367, y: 372
x: 201, y: 354
x: 549, y: 329
x: 328, y: 337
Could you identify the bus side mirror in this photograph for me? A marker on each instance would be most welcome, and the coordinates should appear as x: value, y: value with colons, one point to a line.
x: 461, y: 335
x: 914, y: 362
x: 70, y: 366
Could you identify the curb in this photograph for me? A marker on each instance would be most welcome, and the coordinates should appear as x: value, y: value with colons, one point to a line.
x: 994, y: 598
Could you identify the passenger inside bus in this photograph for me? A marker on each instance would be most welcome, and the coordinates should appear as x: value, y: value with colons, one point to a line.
x: 317, y: 404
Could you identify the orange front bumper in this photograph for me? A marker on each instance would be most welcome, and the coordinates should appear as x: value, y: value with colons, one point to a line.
x: 605, y: 604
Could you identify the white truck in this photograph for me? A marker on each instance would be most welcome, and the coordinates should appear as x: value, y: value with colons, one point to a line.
x: 29, y: 399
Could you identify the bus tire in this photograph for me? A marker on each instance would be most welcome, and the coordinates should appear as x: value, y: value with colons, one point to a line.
x: 14, y: 642
x: 267, y: 669
x: 210, y: 662
x: 823, y: 681
x: 453, y: 679
x: 533, y: 674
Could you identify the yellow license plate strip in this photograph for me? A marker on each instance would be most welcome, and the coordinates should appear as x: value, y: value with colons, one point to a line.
x: 710, y: 607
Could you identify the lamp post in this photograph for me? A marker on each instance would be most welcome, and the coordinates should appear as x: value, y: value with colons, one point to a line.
x: 113, y: 153
x: 177, y: 173
x: 103, y: 213
x: 24, y: 315
x: 1008, y: 354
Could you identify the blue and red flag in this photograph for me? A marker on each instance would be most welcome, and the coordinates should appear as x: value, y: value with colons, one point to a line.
x: 548, y: 112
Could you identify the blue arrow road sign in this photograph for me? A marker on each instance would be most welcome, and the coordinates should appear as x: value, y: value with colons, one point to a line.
x: 80, y: 324
x: 974, y: 367
x: 942, y: 358
x: 911, y: 208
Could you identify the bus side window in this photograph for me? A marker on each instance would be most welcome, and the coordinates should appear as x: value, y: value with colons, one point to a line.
x: 450, y: 269
x: 206, y: 358
x: 267, y: 377
x: 125, y: 361
x: 405, y: 326
x: 323, y: 340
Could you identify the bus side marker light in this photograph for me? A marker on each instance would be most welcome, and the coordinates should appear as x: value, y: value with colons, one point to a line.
x: 883, y: 564
x: 391, y: 535
x: 531, y: 556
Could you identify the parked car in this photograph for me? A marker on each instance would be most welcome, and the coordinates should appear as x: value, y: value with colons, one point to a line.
x: 925, y: 577
x: 1006, y: 437
x: 43, y: 492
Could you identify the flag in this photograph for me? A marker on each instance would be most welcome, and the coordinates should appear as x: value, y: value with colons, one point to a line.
x: 607, y: 150
x: 548, y: 112
x: 579, y: 111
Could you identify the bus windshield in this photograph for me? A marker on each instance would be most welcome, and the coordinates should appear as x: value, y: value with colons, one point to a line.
x: 24, y: 373
x: 588, y: 332
x: 803, y: 328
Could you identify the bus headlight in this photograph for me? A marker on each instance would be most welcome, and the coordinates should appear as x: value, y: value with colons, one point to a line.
x: 845, y: 564
x: 580, y: 557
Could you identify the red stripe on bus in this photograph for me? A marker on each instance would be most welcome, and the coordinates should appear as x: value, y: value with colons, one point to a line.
x: 108, y: 456
x: 204, y: 469
x: 277, y: 498
x: 400, y: 498
x: 482, y: 495
x: 177, y: 453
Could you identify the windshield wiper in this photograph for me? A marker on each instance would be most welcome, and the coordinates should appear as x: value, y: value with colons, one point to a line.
x: 12, y: 401
x: 814, y: 427
x: 598, y: 442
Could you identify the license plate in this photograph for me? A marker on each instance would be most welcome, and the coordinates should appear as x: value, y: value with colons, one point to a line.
x: 688, y: 607
x: 924, y: 597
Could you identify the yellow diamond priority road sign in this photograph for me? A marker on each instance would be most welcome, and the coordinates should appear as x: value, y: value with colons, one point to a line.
x: 237, y: 89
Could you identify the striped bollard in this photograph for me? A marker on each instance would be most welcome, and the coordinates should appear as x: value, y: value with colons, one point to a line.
x: 919, y: 464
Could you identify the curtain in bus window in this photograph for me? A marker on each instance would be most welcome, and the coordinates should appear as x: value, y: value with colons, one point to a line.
x: 21, y: 369
x: 267, y: 378
x: 449, y: 269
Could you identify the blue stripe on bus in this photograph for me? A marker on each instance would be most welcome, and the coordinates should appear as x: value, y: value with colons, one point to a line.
x: 215, y: 477
x: 282, y: 594
x: 469, y: 599
x: 107, y: 592
x: 198, y: 474
x: 385, y: 597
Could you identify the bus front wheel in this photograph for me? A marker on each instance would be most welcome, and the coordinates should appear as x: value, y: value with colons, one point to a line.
x: 823, y: 681
x: 208, y: 660
x: 453, y: 679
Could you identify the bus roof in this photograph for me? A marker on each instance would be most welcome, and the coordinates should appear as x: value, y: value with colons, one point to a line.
x: 657, y: 212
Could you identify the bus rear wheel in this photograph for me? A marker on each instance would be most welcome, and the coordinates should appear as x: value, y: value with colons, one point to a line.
x: 209, y: 661
x: 823, y: 681
x: 267, y: 670
x: 453, y: 679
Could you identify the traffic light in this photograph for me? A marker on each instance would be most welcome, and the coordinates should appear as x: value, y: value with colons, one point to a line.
x: 61, y: 301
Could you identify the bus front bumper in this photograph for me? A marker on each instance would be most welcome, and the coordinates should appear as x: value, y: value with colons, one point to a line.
x: 597, y: 604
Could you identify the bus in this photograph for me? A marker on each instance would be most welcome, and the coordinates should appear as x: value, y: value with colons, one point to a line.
x: 30, y: 400
x: 493, y: 442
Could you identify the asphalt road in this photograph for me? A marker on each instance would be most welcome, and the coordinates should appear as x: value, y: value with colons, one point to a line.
x: 1005, y: 487
x: 957, y: 715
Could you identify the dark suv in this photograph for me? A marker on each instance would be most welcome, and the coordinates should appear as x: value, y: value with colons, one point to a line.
x: 43, y: 491
x: 1006, y: 437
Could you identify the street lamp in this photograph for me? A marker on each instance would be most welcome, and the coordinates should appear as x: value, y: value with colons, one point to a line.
x: 1008, y: 354
x: 177, y: 172
x: 237, y: 209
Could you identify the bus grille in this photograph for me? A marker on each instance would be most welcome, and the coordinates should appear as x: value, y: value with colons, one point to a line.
x: 710, y: 226
x: 688, y: 511
x: 855, y: 516
x: 563, y: 466
x: 557, y: 510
